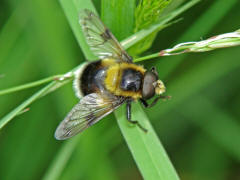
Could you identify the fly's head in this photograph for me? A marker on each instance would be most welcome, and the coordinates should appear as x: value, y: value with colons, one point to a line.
x: 152, y: 84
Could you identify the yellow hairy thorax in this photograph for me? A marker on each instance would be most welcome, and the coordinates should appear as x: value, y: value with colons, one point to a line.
x: 114, y: 76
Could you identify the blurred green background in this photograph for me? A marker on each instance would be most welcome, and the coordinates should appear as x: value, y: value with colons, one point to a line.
x: 199, y: 126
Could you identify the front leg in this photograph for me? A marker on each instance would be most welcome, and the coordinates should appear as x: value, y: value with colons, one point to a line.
x: 146, y: 105
x: 129, y: 118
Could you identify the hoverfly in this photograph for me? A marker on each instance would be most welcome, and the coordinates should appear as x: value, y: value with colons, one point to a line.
x: 106, y: 84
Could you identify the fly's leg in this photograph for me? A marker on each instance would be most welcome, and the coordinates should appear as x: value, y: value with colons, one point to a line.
x: 129, y: 117
x: 146, y: 105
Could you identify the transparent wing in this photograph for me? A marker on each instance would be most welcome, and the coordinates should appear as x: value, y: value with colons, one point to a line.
x: 87, y: 112
x: 101, y: 41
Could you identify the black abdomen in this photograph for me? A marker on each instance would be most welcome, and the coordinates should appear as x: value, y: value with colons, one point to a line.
x: 92, y: 78
x: 131, y: 80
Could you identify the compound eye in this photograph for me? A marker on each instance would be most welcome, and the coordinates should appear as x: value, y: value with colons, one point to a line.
x: 148, y: 89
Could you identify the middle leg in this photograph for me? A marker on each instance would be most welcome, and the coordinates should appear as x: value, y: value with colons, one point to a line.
x: 129, y: 118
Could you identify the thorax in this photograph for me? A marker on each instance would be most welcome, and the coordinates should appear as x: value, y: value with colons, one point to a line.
x: 124, y: 79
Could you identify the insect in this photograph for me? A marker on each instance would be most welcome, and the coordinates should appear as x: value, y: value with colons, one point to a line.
x: 104, y: 85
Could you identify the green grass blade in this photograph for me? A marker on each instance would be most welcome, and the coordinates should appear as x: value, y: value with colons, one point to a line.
x: 22, y: 106
x: 216, y: 12
x: 44, y: 91
x: 202, y: 73
x: 28, y: 85
x: 147, y: 150
x: 72, y: 10
x: 218, y: 41
x: 60, y: 161
x: 199, y: 29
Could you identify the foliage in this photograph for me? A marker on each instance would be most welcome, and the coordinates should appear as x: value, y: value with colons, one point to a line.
x: 199, y: 126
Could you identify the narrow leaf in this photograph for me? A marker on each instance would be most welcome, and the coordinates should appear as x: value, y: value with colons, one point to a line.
x: 26, y: 103
x: 147, y: 150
